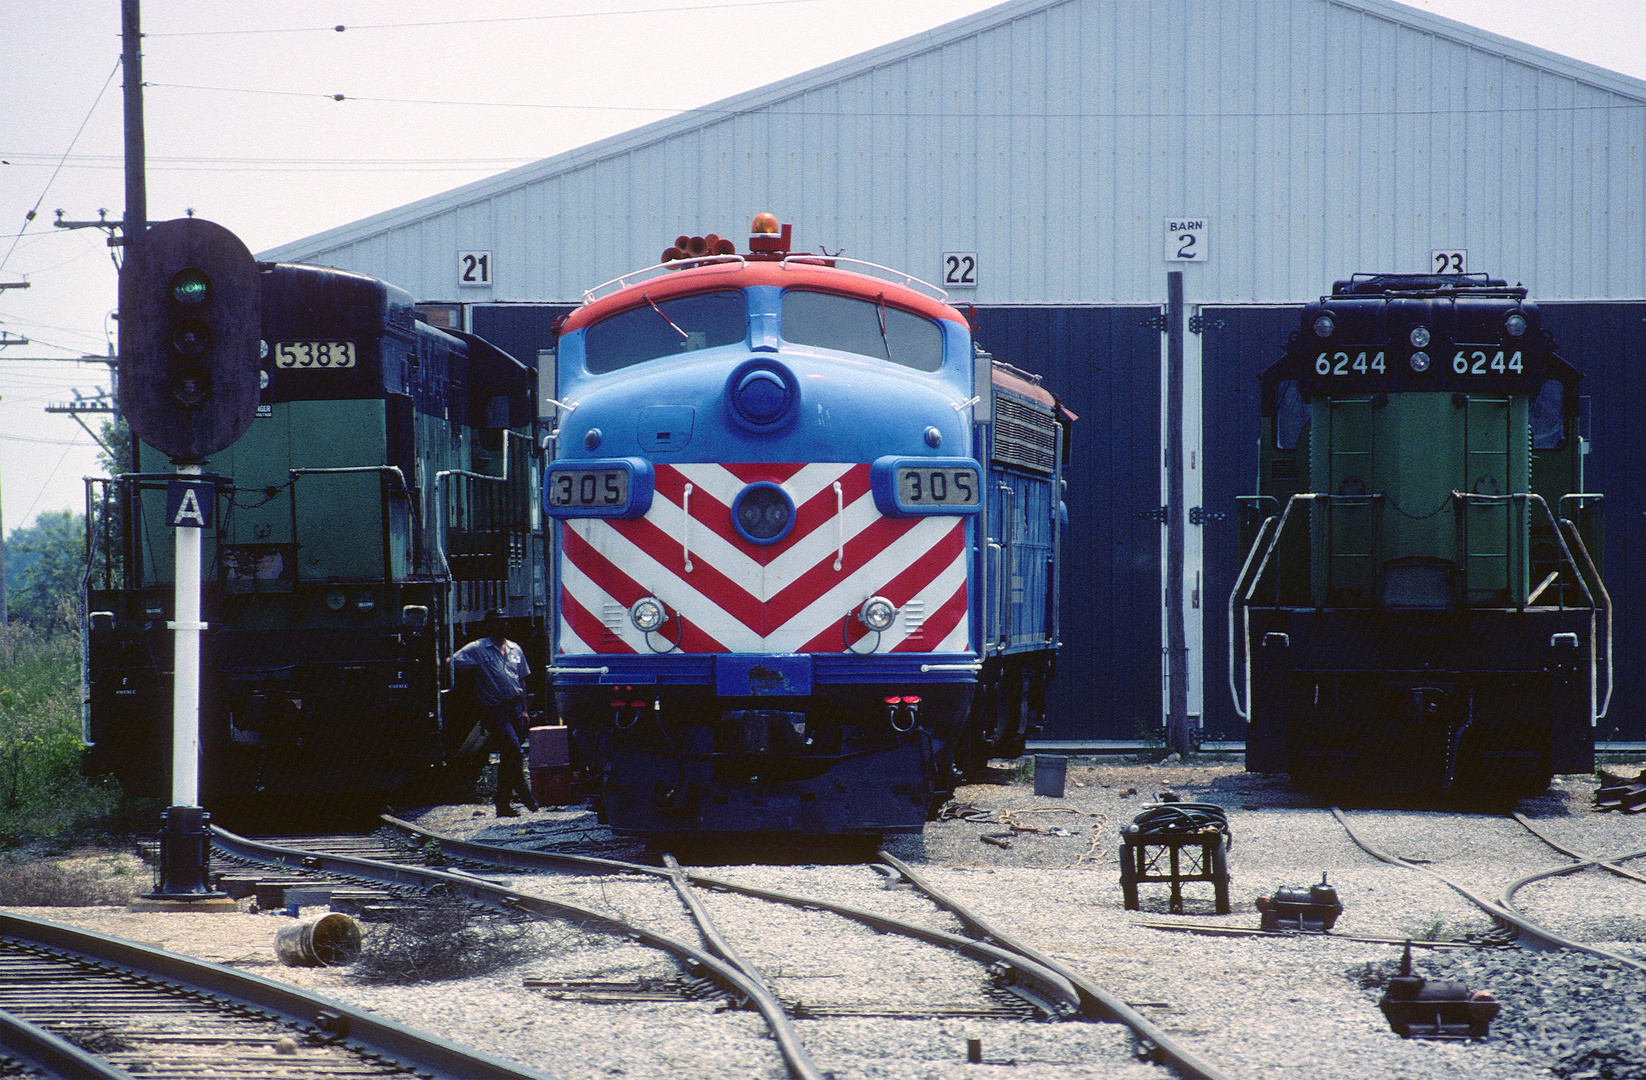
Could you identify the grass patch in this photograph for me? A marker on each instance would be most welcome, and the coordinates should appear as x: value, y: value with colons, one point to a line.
x: 43, y: 796
x: 87, y: 881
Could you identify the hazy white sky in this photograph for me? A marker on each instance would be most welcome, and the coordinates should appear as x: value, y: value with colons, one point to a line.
x: 242, y: 128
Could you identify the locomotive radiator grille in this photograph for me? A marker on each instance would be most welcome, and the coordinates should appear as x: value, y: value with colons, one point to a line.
x: 1025, y: 435
x: 778, y: 598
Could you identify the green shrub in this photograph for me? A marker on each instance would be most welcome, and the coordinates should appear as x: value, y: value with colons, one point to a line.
x: 42, y: 794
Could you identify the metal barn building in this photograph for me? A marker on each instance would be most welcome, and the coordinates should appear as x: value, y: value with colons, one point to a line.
x: 1050, y: 161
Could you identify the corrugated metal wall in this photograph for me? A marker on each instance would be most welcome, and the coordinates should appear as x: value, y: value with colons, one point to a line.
x: 1054, y: 139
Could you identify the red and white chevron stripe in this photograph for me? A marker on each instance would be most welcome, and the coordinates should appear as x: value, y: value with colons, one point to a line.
x: 725, y: 594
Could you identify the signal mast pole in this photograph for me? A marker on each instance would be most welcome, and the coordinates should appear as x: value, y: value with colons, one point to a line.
x: 185, y: 843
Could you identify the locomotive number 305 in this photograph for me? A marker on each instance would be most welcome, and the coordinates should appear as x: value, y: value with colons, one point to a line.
x: 588, y: 487
x: 941, y: 487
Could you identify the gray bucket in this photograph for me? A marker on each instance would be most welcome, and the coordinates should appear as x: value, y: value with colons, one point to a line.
x: 1050, y: 770
x: 324, y: 941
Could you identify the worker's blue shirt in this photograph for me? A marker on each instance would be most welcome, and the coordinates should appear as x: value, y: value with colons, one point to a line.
x: 500, y: 669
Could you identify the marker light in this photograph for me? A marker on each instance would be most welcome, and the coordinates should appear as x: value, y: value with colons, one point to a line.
x: 877, y: 613
x: 1515, y: 324
x: 1420, y: 337
x: 1324, y: 326
x: 1420, y: 361
x: 647, y: 614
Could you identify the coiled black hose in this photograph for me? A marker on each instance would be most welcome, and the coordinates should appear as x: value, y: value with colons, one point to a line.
x: 1181, y: 817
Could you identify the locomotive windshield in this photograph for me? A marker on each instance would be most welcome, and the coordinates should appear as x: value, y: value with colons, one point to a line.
x: 863, y: 327
x: 666, y: 328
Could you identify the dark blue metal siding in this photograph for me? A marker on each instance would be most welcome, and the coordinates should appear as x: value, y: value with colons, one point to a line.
x: 1236, y: 345
x: 1104, y: 364
x: 518, y: 329
x: 1605, y: 341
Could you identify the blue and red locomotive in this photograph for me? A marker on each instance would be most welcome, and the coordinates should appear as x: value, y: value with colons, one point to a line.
x: 1420, y: 609
x: 807, y: 544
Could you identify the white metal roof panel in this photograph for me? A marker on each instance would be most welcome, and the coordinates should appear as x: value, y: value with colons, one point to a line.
x: 1055, y: 137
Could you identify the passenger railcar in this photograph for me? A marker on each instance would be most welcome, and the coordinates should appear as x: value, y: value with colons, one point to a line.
x: 382, y: 500
x: 807, y: 544
x: 1420, y: 607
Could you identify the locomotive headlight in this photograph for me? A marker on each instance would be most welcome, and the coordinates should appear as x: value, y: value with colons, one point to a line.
x: 336, y: 599
x: 1420, y: 361
x: 1324, y: 326
x: 1515, y: 324
x: 1420, y: 337
x: 647, y: 614
x: 877, y: 613
x: 365, y: 602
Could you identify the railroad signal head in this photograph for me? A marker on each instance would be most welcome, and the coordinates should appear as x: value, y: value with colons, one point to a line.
x: 190, y: 328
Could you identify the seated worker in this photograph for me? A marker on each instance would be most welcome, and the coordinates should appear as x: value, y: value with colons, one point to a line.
x: 500, y: 670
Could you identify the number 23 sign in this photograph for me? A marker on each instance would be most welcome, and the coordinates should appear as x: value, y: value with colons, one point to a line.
x: 1186, y: 239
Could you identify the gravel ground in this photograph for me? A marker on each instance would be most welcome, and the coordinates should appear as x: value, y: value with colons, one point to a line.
x: 1258, y: 1009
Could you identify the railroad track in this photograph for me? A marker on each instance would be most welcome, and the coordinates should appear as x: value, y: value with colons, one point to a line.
x: 79, y: 1004
x: 1040, y: 985
x: 1529, y: 931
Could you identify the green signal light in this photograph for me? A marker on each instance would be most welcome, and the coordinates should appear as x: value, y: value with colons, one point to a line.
x: 190, y: 287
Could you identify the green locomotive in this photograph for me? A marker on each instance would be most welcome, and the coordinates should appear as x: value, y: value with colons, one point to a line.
x: 1420, y: 608
x: 381, y: 501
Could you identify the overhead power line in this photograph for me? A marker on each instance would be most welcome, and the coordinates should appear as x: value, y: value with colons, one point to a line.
x: 781, y: 109
x: 477, y: 22
x: 28, y: 217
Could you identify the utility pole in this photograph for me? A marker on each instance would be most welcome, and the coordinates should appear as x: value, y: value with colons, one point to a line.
x: 131, y: 63
x: 1177, y: 646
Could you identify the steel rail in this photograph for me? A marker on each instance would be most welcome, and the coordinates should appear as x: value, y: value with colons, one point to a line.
x: 1153, y: 1044
x: 1587, y: 860
x: 51, y: 1055
x: 469, y: 887
x: 355, y: 1028
x: 1044, y: 987
x: 1532, y: 935
x: 801, y: 1065
x: 1214, y: 930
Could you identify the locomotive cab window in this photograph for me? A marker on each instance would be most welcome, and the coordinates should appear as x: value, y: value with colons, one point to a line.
x: 1549, y: 416
x: 666, y: 328
x: 1291, y: 415
x: 865, y: 327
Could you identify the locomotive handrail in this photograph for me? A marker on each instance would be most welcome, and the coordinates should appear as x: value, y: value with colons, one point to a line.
x: 1606, y: 599
x: 1597, y: 709
x: 622, y: 281
x: 908, y: 280
x: 383, y: 472
x: 1529, y: 497
x: 1258, y: 500
x: 1263, y: 531
x: 444, y: 569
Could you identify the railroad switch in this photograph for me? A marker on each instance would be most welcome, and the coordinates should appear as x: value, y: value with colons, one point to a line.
x: 1419, y: 1008
x: 1618, y: 792
x: 1313, y: 909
